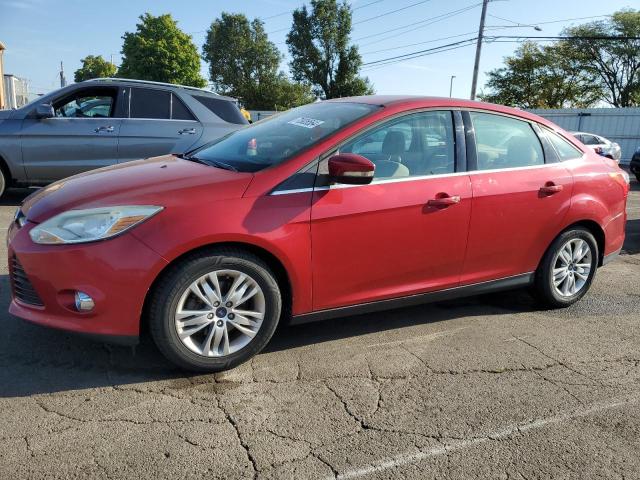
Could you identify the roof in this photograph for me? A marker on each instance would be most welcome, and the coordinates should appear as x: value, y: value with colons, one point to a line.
x: 446, y: 102
x: 163, y: 84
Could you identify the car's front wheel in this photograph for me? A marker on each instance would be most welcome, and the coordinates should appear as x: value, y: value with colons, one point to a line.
x: 567, y: 268
x: 213, y: 311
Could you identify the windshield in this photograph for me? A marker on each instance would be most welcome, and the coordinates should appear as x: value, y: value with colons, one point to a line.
x: 281, y: 136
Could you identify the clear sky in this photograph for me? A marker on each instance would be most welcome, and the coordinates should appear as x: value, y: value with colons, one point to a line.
x: 39, y: 34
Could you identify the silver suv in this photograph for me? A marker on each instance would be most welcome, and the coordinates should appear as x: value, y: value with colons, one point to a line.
x: 103, y: 122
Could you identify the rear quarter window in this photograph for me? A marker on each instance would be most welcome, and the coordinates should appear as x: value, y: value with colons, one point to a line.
x: 565, y: 150
x: 225, y: 109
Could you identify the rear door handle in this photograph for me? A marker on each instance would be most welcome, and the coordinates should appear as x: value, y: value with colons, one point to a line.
x: 550, y: 188
x: 188, y: 131
x: 444, y: 200
x: 107, y: 128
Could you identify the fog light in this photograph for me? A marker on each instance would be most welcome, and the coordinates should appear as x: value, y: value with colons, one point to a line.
x: 84, y: 302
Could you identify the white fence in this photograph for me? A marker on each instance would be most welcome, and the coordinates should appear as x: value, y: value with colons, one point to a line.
x: 621, y: 125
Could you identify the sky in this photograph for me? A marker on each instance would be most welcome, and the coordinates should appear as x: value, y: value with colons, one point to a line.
x: 39, y: 34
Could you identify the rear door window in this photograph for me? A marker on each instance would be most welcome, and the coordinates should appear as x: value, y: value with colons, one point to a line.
x: 565, y: 150
x: 179, y: 111
x: 505, y: 142
x: 225, y: 109
x: 150, y: 103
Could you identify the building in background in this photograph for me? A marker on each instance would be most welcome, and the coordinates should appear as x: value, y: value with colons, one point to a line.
x: 16, y: 91
x: 2, y: 98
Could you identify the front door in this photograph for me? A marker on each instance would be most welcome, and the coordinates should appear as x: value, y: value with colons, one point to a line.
x: 82, y: 135
x: 387, y: 239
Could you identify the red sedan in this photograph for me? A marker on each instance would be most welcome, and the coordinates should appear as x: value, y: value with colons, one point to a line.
x: 331, y: 209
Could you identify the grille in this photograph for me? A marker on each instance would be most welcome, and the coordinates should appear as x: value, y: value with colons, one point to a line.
x: 22, y: 288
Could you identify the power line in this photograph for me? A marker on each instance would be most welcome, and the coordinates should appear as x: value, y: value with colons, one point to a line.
x: 367, y: 4
x: 419, y: 53
x: 566, y: 37
x: 548, y: 22
x: 416, y: 25
x: 417, y: 43
x: 441, y: 50
x: 391, y: 12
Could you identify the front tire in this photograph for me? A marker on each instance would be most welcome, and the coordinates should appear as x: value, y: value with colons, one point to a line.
x: 567, y: 268
x: 3, y: 183
x: 215, y: 310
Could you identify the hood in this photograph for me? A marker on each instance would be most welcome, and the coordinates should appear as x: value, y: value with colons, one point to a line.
x: 166, y: 181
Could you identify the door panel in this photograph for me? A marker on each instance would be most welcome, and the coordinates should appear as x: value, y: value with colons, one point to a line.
x: 143, y: 138
x: 56, y: 148
x: 382, y: 240
x: 513, y: 222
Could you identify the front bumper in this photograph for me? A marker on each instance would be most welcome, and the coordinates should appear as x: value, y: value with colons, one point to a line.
x: 116, y: 273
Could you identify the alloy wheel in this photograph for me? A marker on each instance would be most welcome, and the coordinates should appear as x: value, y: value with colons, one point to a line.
x: 220, y: 313
x: 571, y: 267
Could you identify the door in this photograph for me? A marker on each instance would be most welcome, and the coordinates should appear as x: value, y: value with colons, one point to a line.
x: 159, y: 123
x: 390, y: 239
x: 520, y: 198
x: 82, y: 135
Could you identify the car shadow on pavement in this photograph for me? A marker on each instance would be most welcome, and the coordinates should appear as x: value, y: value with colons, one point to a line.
x: 15, y: 196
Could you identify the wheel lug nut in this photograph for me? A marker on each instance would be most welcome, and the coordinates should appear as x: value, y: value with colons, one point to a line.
x: 210, y: 316
x: 220, y: 323
x: 231, y: 316
x: 216, y: 304
x: 229, y: 304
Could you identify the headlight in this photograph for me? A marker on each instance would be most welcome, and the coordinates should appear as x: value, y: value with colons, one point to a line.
x: 79, y: 226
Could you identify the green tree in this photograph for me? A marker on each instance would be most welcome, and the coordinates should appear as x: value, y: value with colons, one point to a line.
x: 161, y: 52
x: 94, y: 67
x: 243, y: 63
x: 321, y: 53
x: 614, y: 63
x: 541, y: 77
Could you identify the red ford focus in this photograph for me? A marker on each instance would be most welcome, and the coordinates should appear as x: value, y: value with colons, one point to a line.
x: 330, y: 209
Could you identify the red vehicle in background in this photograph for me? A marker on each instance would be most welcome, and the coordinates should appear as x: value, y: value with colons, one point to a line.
x: 331, y: 209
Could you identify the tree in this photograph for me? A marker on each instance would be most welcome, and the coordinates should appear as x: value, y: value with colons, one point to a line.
x: 319, y: 46
x: 614, y: 63
x: 541, y: 77
x: 161, y: 52
x: 243, y: 63
x: 94, y: 67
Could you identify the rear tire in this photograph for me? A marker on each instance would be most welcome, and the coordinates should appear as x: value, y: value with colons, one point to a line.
x: 3, y: 183
x: 567, y: 269
x: 198, y: 315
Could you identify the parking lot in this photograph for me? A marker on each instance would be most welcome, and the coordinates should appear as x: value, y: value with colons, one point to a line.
x: 488, y: 387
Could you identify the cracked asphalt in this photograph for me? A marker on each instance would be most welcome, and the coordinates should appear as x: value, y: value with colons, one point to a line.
x: 487, y: 387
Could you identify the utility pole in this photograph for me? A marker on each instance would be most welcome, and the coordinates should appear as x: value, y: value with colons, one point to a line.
x: 451, y: 86
x: 476, y: 65
x: 63, y: 81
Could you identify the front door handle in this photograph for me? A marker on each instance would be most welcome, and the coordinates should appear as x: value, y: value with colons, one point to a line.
x: 107, y: 128
x: 443, y: 200
x: 550, y: 188
x: 188, y: 131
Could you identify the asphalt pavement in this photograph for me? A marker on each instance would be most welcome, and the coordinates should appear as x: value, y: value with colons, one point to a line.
x: 486, y: 387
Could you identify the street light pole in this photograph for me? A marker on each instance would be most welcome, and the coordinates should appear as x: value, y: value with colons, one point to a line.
x: 451, y: 86
x: 476, y: 65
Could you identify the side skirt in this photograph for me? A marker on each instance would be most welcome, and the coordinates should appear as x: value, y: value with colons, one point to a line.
x: 508, y: 283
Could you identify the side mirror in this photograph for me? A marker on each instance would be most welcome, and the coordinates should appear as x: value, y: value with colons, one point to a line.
x: 351, y: 169
x: 45, y: 110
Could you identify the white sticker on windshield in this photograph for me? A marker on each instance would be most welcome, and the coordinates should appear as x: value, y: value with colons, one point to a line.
x: 306, y: 122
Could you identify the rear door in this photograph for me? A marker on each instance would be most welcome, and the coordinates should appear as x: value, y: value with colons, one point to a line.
x: 521, y: 195
x: 158, y: 123
x: 388, y: 239
x: 82, y: 135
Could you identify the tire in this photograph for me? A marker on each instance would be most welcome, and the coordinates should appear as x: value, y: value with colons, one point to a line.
x: 565, y: 294
x: 225, y: 341
x: 3, y: 183
x: 638, y: 176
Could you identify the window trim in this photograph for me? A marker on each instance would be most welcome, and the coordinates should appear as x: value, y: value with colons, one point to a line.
x: 74, y: 94
x: 547, y: 130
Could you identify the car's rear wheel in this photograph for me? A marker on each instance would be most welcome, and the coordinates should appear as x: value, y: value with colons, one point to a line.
x: 214, y: 311
x: 567, y: 268
x: 3, y: 182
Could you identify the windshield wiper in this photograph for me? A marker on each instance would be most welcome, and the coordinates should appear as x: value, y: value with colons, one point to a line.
x: 211, y: 163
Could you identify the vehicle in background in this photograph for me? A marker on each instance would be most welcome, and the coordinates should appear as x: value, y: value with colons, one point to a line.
x: 634, y: 165
x: 337, y: 208
x: 600, y: 145
x: 103, y: 122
